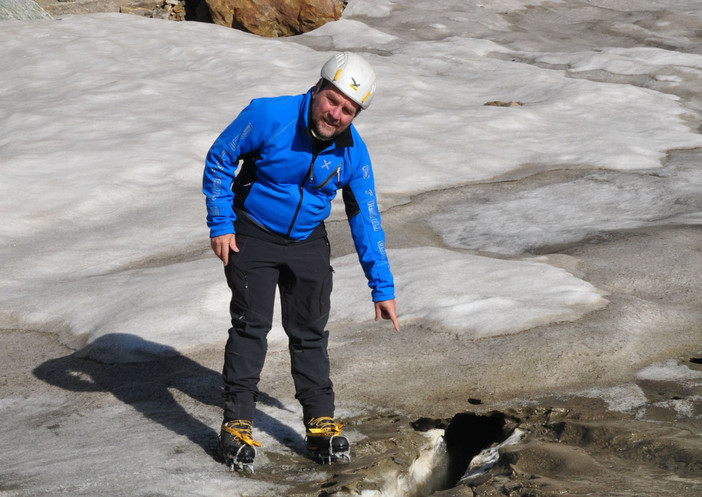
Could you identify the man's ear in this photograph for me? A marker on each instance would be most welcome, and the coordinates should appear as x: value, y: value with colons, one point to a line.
x: 317, y: 87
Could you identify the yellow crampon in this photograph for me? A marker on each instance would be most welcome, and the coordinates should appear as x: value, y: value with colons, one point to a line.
x: 241, y: 430
x: 323, y: 427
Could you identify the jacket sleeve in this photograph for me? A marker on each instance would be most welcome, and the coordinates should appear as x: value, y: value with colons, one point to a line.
x: 368, y: 236
x: 220, y: 167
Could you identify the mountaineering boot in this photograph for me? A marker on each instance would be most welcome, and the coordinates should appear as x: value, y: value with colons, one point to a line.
x: 236, y: 445
x: 324, y: 439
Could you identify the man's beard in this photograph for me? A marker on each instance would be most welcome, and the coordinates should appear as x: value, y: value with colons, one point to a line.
x: 314, y: 129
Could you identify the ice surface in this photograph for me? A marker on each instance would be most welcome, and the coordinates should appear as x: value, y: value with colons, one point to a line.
x: 19, y: 10
x: 477, y: 296
x: 105, y: 121
x: 105, y: 126
x: 668, y: 371
x: 516, y: 220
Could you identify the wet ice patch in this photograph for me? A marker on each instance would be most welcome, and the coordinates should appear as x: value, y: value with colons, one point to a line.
x: 487, y: 458
x: 669, y: 370
x: 685, y: 408
x: 506, y: 221
x: 631, y: 398
x: 621, y: 398
x: 628, y: 61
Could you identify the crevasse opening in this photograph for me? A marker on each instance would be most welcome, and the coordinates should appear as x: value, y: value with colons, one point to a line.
x: 467, y: 446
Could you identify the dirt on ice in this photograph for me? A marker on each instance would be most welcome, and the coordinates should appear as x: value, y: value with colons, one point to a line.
x: 593, y: 424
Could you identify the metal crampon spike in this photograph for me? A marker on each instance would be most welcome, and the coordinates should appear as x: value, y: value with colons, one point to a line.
x: 330, y: 457
x: 344, y: 456
x: 235, y: 466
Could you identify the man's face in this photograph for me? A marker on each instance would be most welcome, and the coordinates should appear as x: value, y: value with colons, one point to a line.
x: 331, y: 112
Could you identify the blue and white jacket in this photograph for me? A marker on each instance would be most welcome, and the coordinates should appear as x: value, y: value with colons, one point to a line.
x: 286, y: 186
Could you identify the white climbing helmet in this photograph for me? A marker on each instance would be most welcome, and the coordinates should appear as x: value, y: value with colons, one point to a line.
x: 352, y: 75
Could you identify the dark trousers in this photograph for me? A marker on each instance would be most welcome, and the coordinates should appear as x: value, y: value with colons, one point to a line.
x: 303, y: 275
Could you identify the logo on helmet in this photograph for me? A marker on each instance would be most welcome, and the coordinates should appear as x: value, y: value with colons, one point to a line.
x: 354, y: 85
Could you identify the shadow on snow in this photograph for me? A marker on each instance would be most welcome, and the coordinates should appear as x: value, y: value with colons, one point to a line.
x: 146, y: 384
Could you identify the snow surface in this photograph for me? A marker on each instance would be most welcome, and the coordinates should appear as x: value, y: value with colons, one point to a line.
x: 105, y: 126
x: 106, y: 120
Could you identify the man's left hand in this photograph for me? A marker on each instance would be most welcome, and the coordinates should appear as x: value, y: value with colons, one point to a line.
x: 387, y: 310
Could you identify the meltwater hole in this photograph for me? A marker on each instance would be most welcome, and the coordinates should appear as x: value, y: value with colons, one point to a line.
x: 466, y: 436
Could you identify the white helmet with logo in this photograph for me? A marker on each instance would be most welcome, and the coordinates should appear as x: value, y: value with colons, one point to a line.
x: 352, y: 75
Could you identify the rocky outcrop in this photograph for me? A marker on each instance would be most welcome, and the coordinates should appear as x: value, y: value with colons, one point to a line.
x: 174, y: 10
x: 274, y: 18
x: 19, y: 10
x: 58, y: 8
x: 271, y: 18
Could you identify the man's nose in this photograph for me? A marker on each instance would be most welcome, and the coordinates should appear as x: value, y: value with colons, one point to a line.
x: 335, y: 112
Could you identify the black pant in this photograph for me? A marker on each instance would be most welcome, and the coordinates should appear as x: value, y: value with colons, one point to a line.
x: 302, y: 273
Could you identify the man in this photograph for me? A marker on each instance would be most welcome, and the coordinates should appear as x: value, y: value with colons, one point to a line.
x: 266, y: 225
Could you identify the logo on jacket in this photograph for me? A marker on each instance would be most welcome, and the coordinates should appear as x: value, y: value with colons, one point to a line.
x: 236, y: 141
x: 372, y: 211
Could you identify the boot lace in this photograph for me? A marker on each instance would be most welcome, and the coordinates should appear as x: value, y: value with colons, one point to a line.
x: 241, y: 430
x: 323, y: 427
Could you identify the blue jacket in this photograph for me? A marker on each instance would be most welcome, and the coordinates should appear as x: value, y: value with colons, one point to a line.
x: 285, y: 186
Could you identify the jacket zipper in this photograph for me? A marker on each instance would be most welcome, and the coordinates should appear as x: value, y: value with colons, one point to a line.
x: 321, y: 185
x: 301, y: 188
